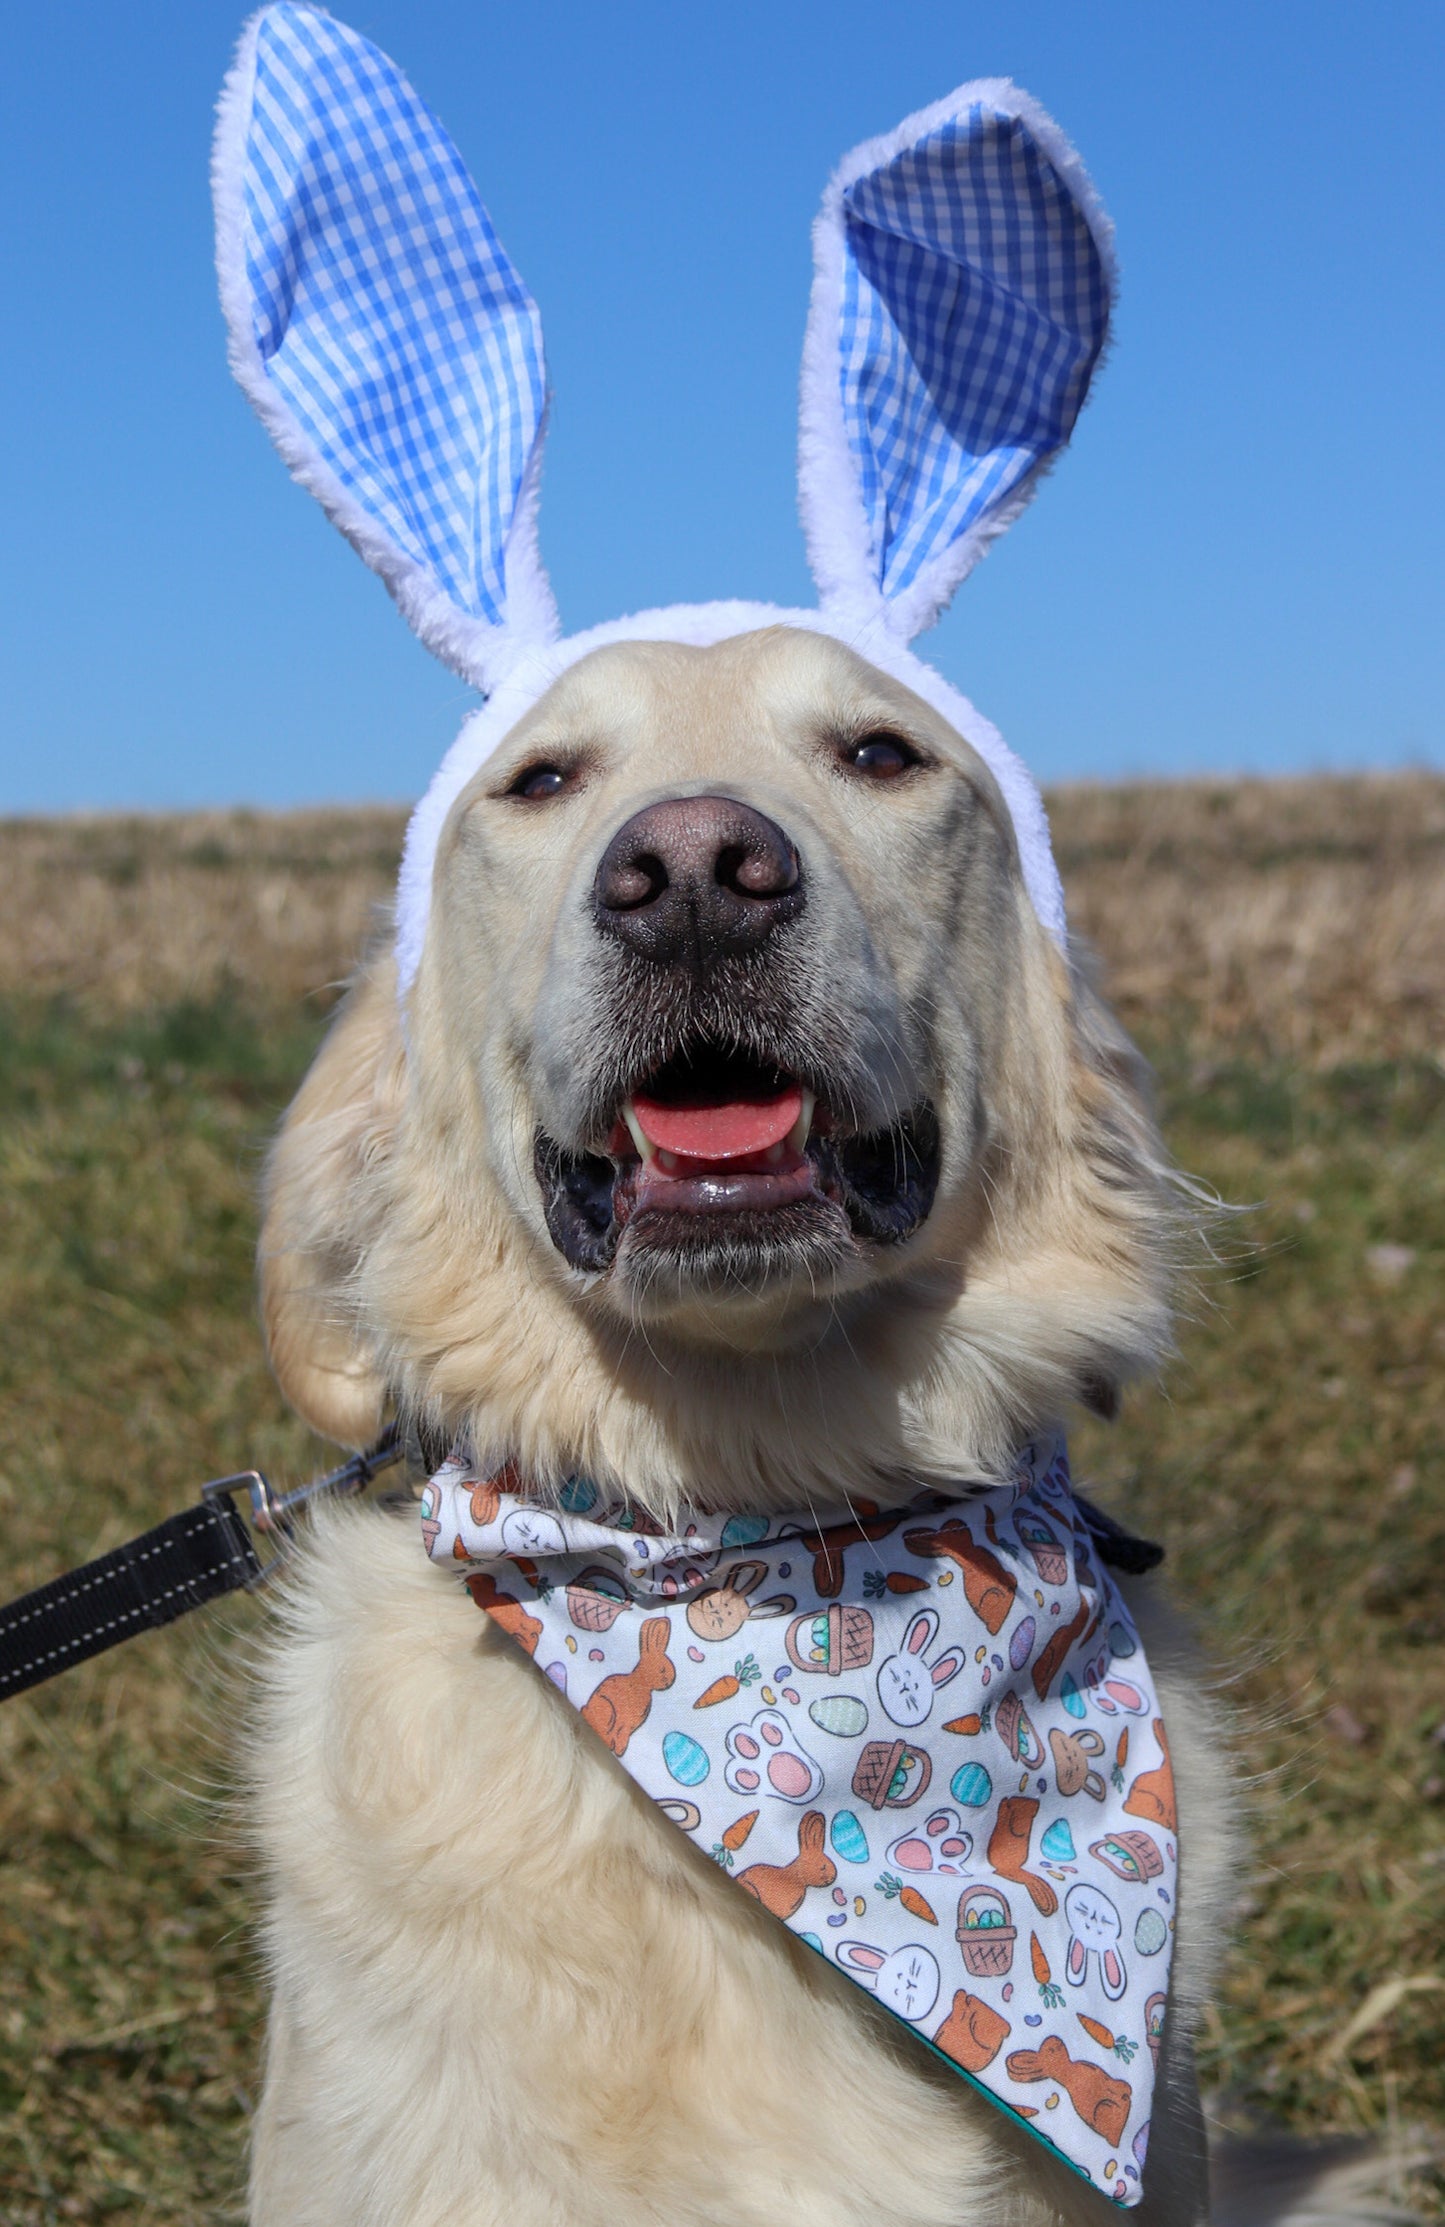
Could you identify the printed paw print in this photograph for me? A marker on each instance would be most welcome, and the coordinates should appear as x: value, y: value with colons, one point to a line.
x: 939, y: 1846
x: 765, y: 1756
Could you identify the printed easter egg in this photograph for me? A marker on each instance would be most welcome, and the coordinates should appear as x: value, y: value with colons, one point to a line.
x: 971, y: 1785
x: 1020, y: 1647
x: 744, y: 1531
x: 686, y: 1761
x: 812, y: 1941
x: 1058, y: 1842
x: 1070, y: 1695
x: 1150, y: 1932
x: 1121, y: 1640
x: 578, y: 1495
x: 842, y: 1714
x: 848, y: 1838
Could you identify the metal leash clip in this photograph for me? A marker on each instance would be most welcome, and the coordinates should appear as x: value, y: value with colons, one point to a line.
x: 272, y: 1515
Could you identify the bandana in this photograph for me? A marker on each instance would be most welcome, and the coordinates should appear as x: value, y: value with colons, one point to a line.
x: 925, y: 1739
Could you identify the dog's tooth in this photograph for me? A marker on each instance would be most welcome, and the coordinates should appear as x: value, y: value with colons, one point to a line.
x: 667, y: 1161
x: 775, y: 1154
x: 646, y: 1149
x: 798, y: 1134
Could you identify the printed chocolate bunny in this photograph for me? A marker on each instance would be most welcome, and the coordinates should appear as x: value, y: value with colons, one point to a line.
x: 907, y: 1682
x: 973, y: 2032
x: 1152, y: 1793
x: 829, y: 1545
x: 620, y: 1704
x: 988, y: 1587
x: 505, y: 1610
x: 780, y: 1888
x: 1008, y: 1850
x: 722, y: 1611
x: 1101, y: 2101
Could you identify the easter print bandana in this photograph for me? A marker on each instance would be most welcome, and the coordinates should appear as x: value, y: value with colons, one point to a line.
x: 925, y: 1739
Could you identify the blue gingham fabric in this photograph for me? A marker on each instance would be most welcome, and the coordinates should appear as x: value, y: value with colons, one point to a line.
x: 975, y: 303
x: 384, y: 307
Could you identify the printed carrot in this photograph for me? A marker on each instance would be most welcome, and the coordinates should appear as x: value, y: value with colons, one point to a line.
x: 912, y: 1901
x: 739, y: 1829
x: 965, y: 1725
x: 723, y: 1689
x: 878, y: 1582
x: 1119, y: 2044
x: 1121, y: 1757
x: 1049, y: 1988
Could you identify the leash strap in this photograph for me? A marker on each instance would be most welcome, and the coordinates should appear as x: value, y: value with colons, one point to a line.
x: 200, y: 1555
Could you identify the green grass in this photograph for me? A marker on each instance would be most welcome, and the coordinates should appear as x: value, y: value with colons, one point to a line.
x: 1294, y: 1464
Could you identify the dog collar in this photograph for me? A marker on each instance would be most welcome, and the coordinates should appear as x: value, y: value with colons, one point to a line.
x: 925, y: 1739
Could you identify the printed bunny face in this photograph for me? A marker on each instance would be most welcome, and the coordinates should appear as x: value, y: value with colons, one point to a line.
x: 1095, y: 1929
x: 722, y: 1611
x: 907, y: 1980
x: 532, y: 1531
x: 909, y: 1681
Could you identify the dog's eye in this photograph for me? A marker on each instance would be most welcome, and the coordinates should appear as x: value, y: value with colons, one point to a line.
x: 538, y: 782
x: 881, y: 757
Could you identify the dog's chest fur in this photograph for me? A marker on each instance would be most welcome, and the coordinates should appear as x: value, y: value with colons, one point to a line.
x: 508, y: 1991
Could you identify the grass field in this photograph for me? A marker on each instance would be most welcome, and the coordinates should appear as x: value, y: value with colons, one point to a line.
x: 1280, y: 952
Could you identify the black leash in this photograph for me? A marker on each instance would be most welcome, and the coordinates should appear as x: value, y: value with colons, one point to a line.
x: 200, y: 1555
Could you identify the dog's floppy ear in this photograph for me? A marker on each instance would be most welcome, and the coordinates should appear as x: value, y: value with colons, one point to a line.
x: 963, y: 281
x: 322, y: 1179
x: 381, y: 333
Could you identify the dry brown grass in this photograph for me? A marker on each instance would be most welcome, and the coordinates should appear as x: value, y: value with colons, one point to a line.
x: 1279, y: 950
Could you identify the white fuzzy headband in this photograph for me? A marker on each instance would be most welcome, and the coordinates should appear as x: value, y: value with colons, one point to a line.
x: 964, y: 275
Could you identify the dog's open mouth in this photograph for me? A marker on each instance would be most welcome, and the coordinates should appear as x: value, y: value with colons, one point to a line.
x: 734, y: 1170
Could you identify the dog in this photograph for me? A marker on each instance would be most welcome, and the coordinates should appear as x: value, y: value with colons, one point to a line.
x: 505, y: 1988
x: 728, y: 1130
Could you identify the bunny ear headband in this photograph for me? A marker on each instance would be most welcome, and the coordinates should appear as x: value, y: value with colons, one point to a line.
x: 963, y: 280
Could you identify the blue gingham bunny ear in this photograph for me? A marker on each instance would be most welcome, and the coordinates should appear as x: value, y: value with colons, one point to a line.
x: 383, y: 337
x: 964, y: 275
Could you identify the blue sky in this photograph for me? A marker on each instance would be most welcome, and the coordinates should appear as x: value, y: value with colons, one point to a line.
x: 1237, y: 567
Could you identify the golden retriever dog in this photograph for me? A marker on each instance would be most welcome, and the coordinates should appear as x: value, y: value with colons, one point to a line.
x: 697, y: 866
x: 505, y: 1989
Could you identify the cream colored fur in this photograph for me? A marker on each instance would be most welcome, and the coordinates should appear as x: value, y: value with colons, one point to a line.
x: 505, y: 1989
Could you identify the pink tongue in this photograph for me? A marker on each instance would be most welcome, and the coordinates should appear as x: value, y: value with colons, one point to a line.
x: 725, y: 1132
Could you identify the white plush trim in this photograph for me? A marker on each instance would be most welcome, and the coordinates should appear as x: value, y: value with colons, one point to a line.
x: 702, y: 624
x: 475, y: 650
x: 841, y: 555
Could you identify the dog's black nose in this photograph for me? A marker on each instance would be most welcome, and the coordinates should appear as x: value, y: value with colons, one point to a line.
x: 695, y: 878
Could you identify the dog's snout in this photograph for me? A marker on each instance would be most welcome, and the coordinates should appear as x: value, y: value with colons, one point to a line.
x: 693, y: 877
